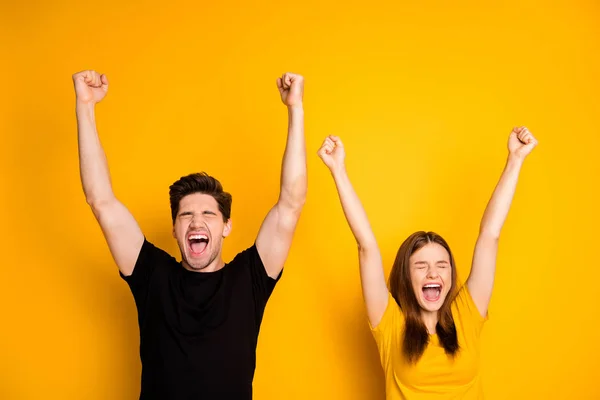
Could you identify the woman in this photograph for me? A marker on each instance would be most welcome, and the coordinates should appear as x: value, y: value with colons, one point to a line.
x: 428, y: 329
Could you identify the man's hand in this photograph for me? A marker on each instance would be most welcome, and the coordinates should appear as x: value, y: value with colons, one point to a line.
x: 521, y: 142
x: 291, y: 89
x: 90, y: 87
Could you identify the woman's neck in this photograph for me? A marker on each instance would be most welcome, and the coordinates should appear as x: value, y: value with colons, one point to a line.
x: 430, y: 319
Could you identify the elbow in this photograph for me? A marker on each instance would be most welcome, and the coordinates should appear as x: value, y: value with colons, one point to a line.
x: 293, y: 200
x: 97, y: 203
x: 299, y: 202
x: 290, y: 208
x: 489, y: 234
x: 295, y: 207
x: 365, y: 247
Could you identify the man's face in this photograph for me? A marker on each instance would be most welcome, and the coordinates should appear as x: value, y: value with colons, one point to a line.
x: 199, y: 230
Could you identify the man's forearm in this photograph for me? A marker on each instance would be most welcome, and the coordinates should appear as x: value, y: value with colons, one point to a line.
x: 293, y: 171
x: 93, y: 167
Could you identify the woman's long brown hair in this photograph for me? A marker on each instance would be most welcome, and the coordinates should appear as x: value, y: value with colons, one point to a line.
x: 416, y: 336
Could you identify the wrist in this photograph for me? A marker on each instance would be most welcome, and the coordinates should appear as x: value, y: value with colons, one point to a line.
x: 338, y: 171
x: 514, y: 160
x: 296, y: 108
x: 84, y: 111
x: 81, y: 105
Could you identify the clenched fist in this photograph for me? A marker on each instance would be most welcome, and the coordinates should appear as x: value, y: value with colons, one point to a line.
x: 291, y: 89
x: 90, y: 87
x: 332, y: 153
x: 521, y: 142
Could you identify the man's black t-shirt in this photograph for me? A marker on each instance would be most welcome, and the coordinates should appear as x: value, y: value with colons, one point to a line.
x: 198, y: 330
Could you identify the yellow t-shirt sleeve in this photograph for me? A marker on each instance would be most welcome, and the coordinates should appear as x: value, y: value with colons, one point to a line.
x: 467, y: 311
x: 388, y: 330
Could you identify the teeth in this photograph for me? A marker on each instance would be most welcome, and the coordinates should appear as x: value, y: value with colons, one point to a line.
x: 197, y: 237
x: 432, y: 285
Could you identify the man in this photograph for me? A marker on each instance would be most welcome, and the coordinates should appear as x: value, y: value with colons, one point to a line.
x: 199, y: 318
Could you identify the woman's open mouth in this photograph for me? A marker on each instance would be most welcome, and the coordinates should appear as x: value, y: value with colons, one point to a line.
x: 432, y: 291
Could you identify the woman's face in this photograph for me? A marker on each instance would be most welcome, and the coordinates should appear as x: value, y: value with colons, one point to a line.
x: 431, y: 276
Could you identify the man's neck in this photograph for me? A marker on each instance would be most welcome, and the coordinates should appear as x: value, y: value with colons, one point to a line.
x: 214, y: 266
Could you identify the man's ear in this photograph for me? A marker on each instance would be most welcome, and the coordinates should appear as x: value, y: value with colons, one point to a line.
x: 227, y: 228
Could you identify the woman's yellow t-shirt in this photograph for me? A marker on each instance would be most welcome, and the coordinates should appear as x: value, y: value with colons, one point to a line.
x: 435, y: 375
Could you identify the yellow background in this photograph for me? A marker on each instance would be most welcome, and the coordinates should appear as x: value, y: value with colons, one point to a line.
x: 424, y: 95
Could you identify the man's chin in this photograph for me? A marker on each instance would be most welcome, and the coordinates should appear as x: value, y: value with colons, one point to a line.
x: 195, y: 265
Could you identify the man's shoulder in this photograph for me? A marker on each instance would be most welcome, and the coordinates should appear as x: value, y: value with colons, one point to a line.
x: 151, y: 253
x: 246, y: 256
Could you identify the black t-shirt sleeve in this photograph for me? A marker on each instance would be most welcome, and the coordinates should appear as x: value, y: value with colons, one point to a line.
x: 262, y: 284
x: 149, y: 260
